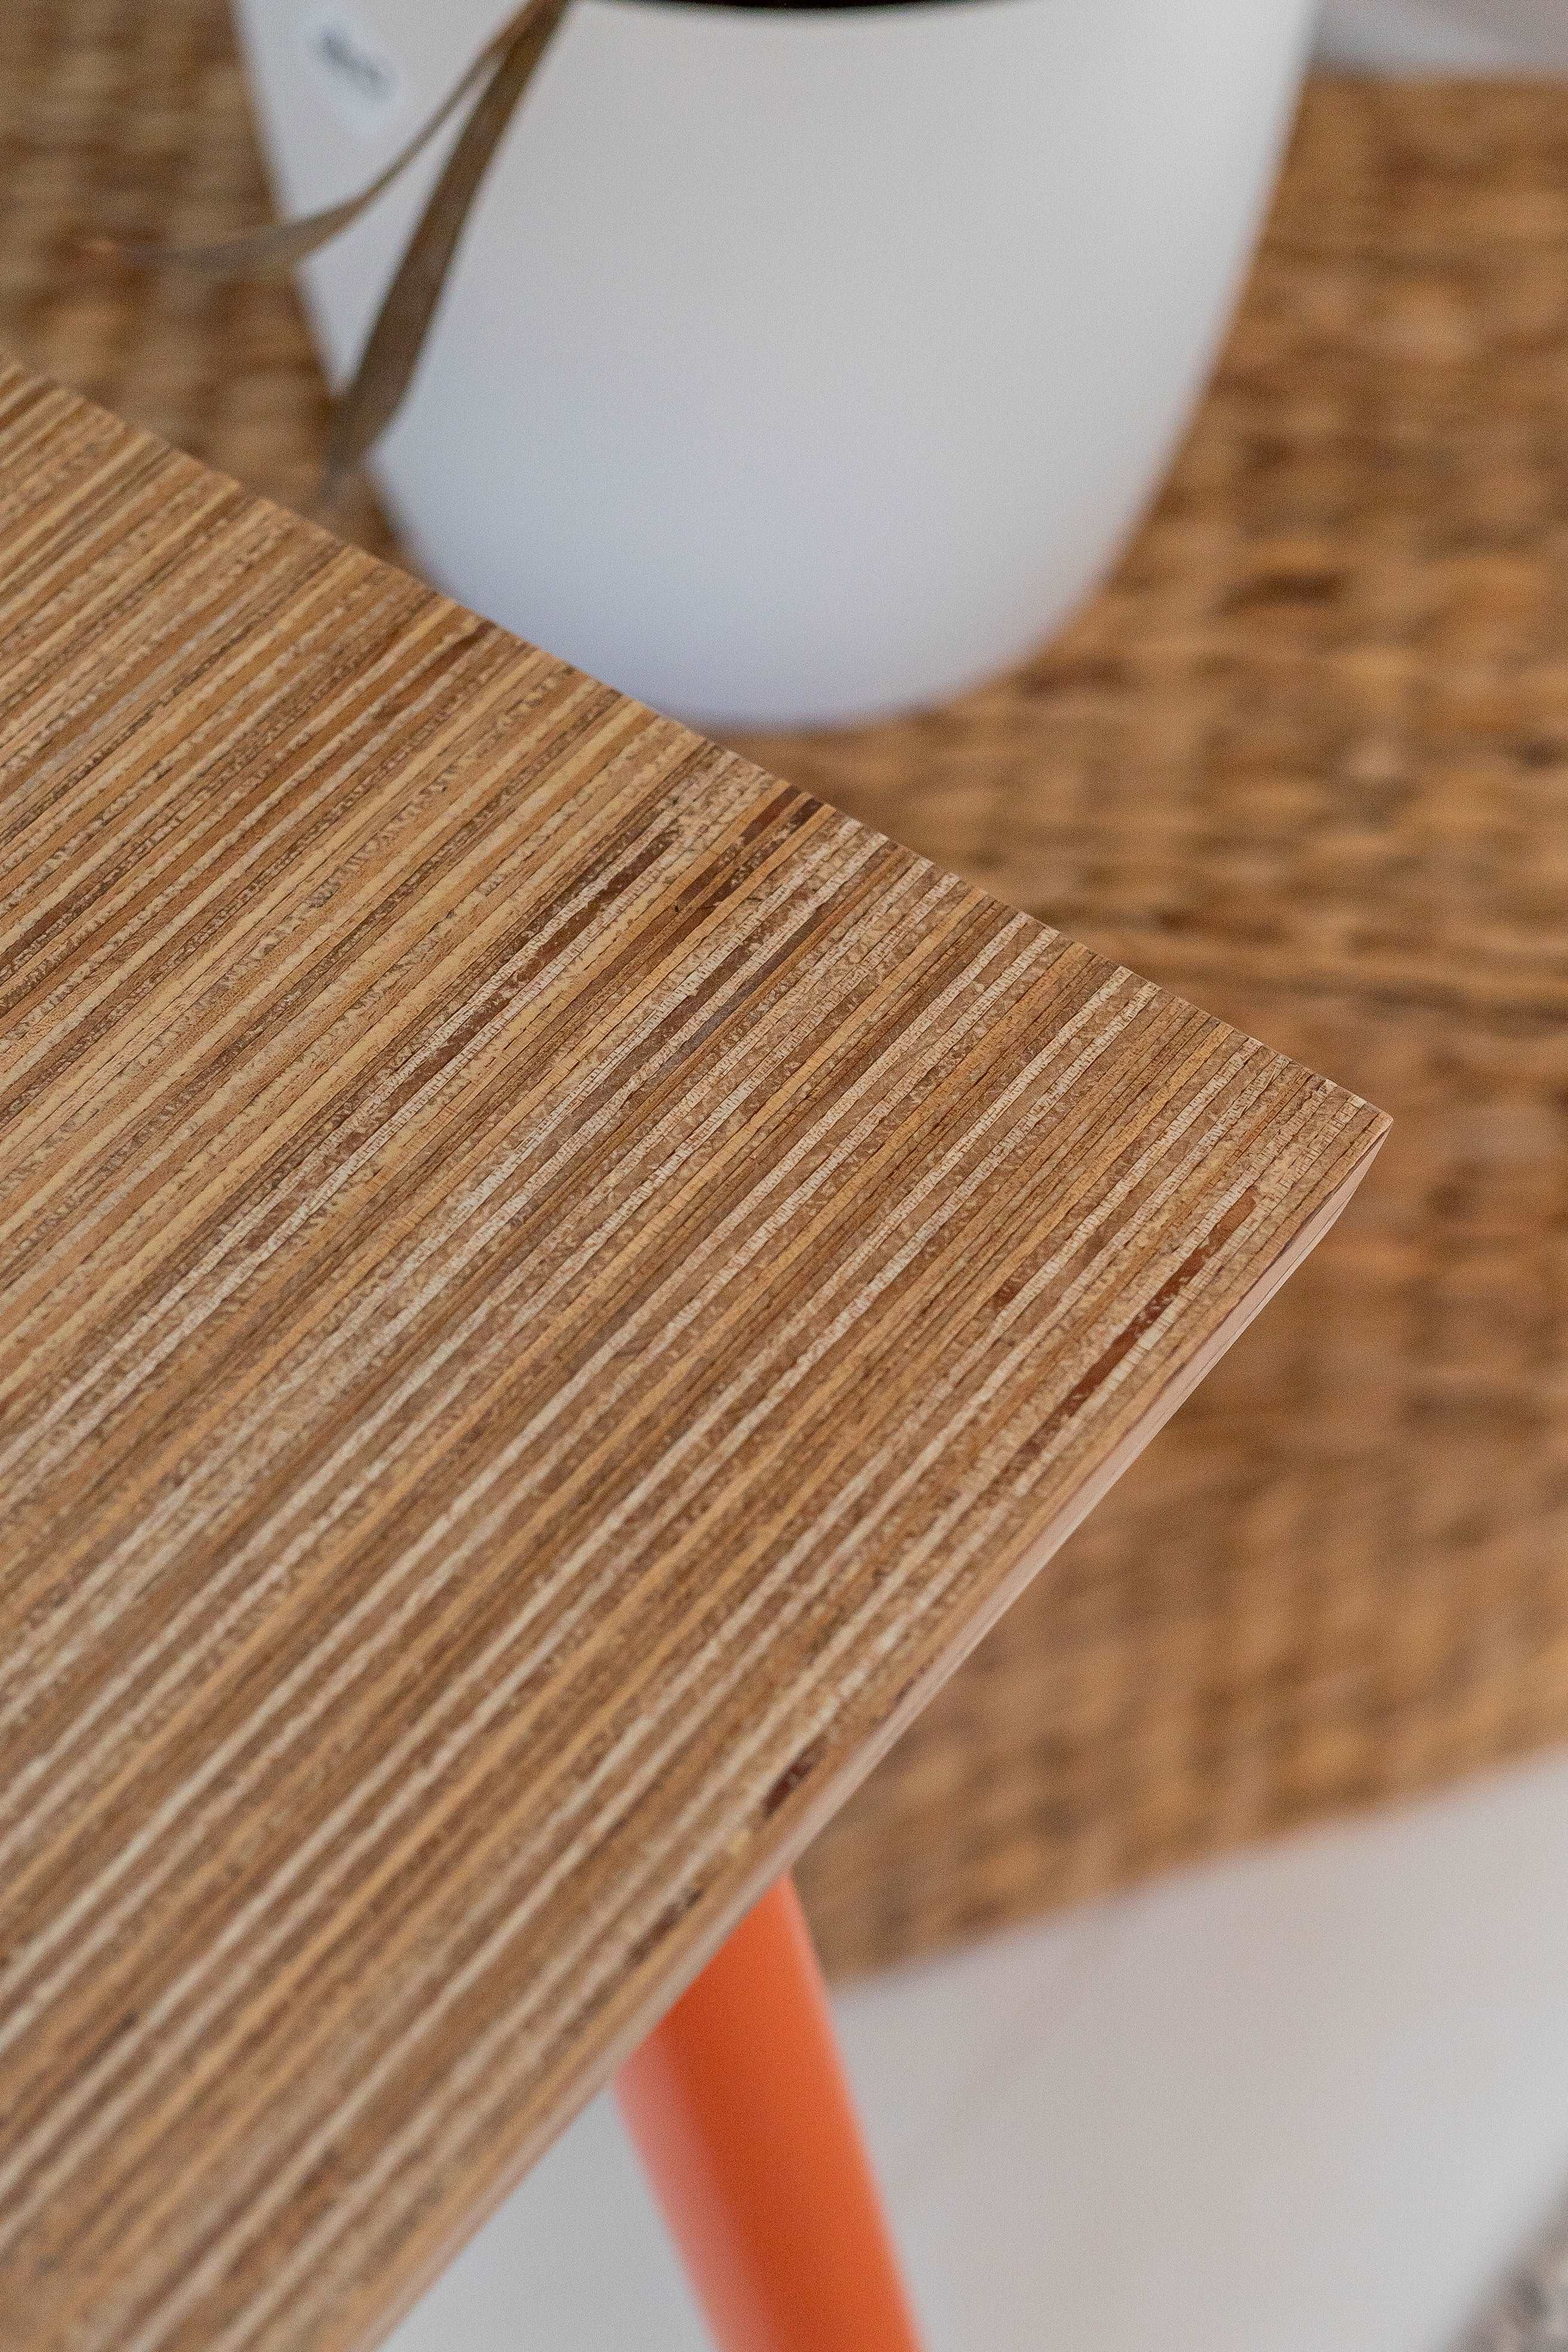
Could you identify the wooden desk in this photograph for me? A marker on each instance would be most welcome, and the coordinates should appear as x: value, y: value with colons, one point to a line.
x: 554, y: 1285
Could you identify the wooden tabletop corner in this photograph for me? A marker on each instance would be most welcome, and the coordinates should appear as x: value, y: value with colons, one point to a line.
x: 554, y: 1285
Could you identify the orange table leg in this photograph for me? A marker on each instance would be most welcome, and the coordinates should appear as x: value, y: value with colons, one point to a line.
x: 740, y: 2110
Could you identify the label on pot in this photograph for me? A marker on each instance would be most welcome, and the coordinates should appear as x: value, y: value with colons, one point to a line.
x: 355, y: 73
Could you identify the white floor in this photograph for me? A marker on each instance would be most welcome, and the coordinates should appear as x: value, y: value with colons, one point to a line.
x: 1306, y: 2101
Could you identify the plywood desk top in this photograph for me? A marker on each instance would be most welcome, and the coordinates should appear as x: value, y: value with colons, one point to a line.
x: 553, y: 1287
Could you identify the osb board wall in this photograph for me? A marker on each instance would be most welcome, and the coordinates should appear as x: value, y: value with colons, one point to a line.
x: 1307, y: 759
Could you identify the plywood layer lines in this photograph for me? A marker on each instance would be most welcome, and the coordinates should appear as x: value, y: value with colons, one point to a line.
x: 553, y: 1287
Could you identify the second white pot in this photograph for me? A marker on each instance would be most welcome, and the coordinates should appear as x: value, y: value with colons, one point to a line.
x: 797, y: 365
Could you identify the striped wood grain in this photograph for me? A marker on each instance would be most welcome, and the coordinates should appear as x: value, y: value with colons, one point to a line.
x: 553, y: 1287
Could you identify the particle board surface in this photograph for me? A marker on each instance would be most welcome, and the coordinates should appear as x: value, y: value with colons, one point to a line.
x: 553, y: 1287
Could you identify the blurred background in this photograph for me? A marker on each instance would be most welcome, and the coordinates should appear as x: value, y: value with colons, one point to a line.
x: 1203, y: 1951
x: 1446, y: 35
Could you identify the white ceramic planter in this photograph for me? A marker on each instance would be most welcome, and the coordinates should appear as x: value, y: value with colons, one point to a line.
x: 797, y: 365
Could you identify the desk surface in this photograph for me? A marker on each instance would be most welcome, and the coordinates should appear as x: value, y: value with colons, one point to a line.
x: 553, y: 1287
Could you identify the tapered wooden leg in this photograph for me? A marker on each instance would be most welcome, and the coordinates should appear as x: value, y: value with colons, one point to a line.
x: 741, y: 2112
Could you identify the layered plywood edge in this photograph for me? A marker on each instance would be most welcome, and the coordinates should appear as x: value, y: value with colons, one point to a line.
x: 554, y: 1285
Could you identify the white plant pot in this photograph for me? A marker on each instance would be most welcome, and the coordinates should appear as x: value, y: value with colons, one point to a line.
x: 797, y: 365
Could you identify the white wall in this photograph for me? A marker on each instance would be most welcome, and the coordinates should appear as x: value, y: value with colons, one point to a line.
x: 1447, y: 36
